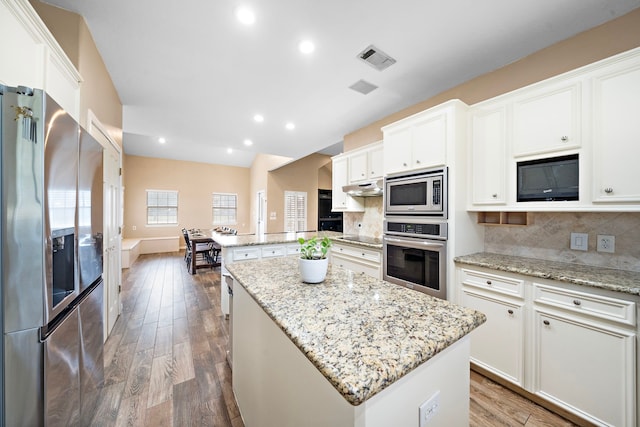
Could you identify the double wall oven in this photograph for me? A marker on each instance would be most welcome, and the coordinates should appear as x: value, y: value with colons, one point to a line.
x: 415, y: 231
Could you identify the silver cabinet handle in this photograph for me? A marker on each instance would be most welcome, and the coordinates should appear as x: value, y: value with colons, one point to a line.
x: 564, y: 138
x: 404, y: 164
x: 546, y: 322
x: 577, y: 302
x: 488, y: 282
x: 494, y: 195
x: 608, y: 190
x: 510, y: 311
x: 418, y: 162
x: 362, y: 174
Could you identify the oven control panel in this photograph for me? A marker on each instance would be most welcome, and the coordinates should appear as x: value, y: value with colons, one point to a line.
x: 435, y: 229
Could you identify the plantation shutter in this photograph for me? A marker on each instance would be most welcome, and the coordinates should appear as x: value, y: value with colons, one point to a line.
x: 295, y: 211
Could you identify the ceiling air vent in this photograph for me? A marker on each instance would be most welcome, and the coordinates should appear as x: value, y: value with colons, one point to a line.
x: 376, y: 58
x: 363, y: 87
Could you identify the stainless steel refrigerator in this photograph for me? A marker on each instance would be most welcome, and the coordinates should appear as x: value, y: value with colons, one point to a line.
x: 51, y: 270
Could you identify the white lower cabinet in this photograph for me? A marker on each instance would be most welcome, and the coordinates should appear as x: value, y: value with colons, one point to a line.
x: 570, y: 345
x: 498, y: 345
x: 357, y: 259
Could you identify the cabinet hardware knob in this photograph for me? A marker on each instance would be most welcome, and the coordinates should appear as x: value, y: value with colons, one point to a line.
x: 494, y: 195
x: 488, y: 282
x: 418, y: 161
x: 404, y: 164
x: 608, y: 190
x: 577, y: 302
x: 372, y: 173
x: 510, y: 311
x: 564, y: 139
x: 546, y: 322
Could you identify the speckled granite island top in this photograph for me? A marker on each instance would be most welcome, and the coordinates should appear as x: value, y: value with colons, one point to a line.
x: 361, y: 333
x: 598, y: 277
x: 227, y: 240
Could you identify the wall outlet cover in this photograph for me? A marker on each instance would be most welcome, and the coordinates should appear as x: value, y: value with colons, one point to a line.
x: 606, y: 243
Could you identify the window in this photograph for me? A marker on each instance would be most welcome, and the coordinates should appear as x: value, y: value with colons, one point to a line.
x: 225, y: 208
x: 295, y: 211
x: 162, y: 207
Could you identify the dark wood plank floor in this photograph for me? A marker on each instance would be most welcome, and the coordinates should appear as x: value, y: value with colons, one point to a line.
x: 165, y: 360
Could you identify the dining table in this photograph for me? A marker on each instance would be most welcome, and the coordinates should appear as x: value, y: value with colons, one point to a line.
x: 200, y: 238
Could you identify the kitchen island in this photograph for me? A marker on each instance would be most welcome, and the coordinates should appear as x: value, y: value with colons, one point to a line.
x: 244, y: 247
x: 351, y: 351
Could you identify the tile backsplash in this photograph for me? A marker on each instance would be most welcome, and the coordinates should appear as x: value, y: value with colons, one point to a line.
x: 548, y: 236
x: 367, y: 223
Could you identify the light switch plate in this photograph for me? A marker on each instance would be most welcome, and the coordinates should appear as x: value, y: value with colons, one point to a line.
x: 580, y: 241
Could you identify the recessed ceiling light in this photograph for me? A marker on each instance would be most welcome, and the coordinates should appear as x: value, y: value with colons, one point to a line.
x: 290, y: 126
x: 245, y: 15
x: 248, y: 142
x: 306, y: 46
x: 258, y: 118
x: 162, y: 140
x: 229, y: 151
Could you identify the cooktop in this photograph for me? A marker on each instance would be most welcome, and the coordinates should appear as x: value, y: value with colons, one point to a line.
x: 361, y: 239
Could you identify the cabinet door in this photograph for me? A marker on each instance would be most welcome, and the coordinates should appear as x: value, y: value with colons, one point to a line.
x: 547, y: 121
x: 340, y: 201
x: 586, y: 368
x: 429, y: 142
x: 358, y: 166
x: 488, y: 156
x: 616, y: 132
x: 376, y: 162
x: 397, y: 150
x: 499, y: 343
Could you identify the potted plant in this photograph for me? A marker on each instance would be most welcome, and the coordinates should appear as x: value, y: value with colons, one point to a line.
x: 313, y: 262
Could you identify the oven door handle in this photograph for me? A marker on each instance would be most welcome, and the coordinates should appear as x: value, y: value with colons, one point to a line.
x: 420, y: 244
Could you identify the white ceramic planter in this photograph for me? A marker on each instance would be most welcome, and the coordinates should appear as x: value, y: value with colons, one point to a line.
x: 313, y: 270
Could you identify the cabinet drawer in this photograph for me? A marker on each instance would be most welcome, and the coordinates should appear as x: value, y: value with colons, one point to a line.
x: 349, y: 263
x: 246, y: 253
x: 293, y: 249
x: 358, y: 253
x: 601, y: 307
x: 495, y: 283
x: 273, y: 251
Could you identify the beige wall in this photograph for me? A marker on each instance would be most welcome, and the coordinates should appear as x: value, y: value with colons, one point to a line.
x: 262, y: 164
x: 195, y: 183
x: 301, y: 175
x: 613, y: 37
x: 97, y: 92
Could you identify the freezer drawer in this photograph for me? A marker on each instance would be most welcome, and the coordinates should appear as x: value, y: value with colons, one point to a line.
x: 91, y: 352
x: 62, y: 374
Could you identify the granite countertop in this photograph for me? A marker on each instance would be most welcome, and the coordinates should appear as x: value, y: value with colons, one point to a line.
x: 228, y: 240
x: 597, y: 277
x: 365, y: 241
x: 361, y: 333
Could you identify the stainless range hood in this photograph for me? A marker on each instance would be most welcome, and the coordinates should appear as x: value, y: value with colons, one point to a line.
x: 366, y: 189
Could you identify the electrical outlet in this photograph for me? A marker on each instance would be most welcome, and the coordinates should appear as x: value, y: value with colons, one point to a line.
x: 579, y: 241
x: 429, y: 409
x: 606, y: 243
x: 133, y: 228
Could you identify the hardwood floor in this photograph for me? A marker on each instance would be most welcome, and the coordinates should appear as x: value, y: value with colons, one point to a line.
x: 165, y: 360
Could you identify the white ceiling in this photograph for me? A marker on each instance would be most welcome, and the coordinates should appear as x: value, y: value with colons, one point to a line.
x: 188, y: 71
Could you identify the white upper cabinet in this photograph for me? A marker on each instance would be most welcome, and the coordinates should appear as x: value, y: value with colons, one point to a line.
x: 616, y: 133
x: 366, y: 164
x: 547, y: 119
x: 488, y: 154
x: 342, y: 202
x: 420, y: 141
x: 33, y: 58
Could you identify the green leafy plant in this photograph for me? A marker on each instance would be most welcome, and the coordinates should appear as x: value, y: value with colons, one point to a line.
x: 314, y: 248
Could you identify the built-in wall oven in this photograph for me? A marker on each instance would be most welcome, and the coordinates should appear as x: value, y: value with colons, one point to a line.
x: 415, y: 231
x: 415, y: 254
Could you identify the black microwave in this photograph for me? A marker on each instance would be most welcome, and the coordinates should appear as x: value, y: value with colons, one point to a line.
x: 551, y: 179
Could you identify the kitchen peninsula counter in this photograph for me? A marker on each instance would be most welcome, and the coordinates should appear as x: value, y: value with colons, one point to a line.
x: 578, y: 274
x: 384, y: 348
